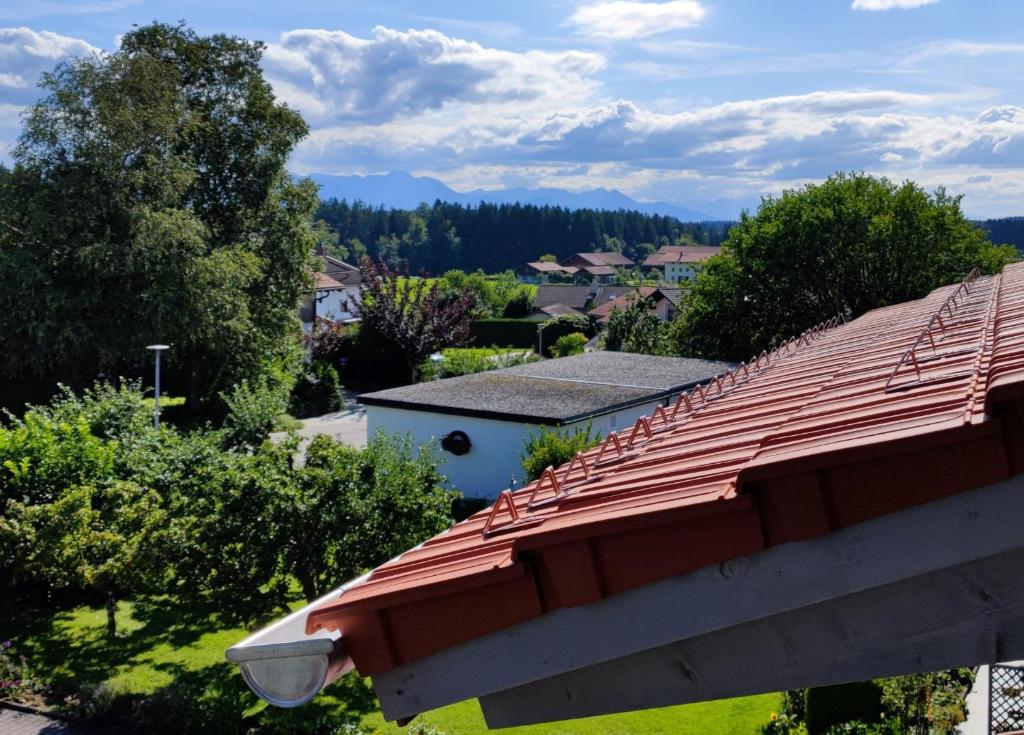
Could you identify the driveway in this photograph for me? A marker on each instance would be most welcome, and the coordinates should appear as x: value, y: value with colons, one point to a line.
x: 14, y: 722
x: 347, y: 426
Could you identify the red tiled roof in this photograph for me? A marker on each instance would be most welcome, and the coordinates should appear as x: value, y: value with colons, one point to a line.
x: 603, y: 312
x: 844, y: 424
x: 668, y: 254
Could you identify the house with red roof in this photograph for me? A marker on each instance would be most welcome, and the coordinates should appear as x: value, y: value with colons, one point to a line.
x: 845, y: 506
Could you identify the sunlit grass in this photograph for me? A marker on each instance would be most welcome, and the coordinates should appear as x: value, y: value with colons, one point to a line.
x: 159, y: 640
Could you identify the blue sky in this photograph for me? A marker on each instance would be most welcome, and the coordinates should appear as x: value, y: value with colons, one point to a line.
x: 705, y: 103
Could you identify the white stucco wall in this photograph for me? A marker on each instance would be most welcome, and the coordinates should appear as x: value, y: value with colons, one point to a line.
x: 676, y: 272
x: 497, y: 445
x: 337, y: 303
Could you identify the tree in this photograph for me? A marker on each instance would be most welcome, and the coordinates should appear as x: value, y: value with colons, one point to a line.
x: 635, y: 329
x: 149, y: 202
x: 382, y: 500
x: 102, y: 540
x: 410, y: 315
x: 848, y: 245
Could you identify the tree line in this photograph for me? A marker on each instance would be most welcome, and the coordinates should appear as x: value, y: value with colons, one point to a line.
x: 495, y: 237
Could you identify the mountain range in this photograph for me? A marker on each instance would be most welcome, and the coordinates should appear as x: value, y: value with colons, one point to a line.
x: 404, y: 191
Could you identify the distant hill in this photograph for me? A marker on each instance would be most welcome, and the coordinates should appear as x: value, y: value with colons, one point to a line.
x: 404, y: 191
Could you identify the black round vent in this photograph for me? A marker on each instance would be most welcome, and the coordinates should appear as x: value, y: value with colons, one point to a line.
x: 456, y: 442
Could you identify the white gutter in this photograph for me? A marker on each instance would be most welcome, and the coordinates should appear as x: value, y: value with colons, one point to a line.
x: 286, y: 667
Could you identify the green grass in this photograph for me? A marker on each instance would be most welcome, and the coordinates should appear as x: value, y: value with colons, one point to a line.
x: 165, y: 402
x: 481, y: 351
x: 160, y: 642
x: 743, y: 716
x: 286, y: 422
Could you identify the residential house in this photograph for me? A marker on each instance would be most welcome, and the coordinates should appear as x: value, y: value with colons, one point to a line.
x: 598, y: 267
x: 481, y: 421
x: 336, y: 292
x: 680, y: 262
x: 543, y: 271
x: 666, y: 303
x: 556, y: 299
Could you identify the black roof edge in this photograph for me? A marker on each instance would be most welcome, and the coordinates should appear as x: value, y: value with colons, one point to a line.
x: 521, y: 417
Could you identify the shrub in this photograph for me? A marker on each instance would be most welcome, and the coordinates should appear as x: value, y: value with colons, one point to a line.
x: 252, y: 408
x: 553, y: 329
x: 569, y: 344
x: 473, y: 360
x: 553, y: 448
x: 318, y: 391
x: 382, y: 500
x: 41, y: 456
x: 505, y: 332
x: 833, y: 705
x: 518, y: 305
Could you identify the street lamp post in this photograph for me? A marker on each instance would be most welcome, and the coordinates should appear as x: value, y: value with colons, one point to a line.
x: 157, y: 349
x: 437, y: 358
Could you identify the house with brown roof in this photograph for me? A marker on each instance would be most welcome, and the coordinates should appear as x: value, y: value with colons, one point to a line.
x: 336, y: 290
x: 680, y: 262
x: 666, y: 303
x: 598, y: 267
x: 542, y: 272
x: 844, y: 507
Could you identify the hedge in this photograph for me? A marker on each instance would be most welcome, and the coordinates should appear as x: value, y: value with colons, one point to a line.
x: 834, y: 705
x: 504, y: 333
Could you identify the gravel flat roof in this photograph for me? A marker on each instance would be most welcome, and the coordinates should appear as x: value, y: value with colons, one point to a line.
x: 554, y: 391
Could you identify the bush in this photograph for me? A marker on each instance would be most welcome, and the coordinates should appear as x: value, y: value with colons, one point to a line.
x: 553, y: 448
x: 834, y: 705
x: 553, y: 329
x: 382, y: 500
x: 505, y: 332
x: 569, y: 344
x: 466, y: 361
x: 318, y: 391
x: 252, y: 409
x: 518, y: 305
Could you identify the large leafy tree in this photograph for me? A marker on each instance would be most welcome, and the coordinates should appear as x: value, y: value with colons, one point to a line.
x: 848, y: 245
x: 149, y: 202
x: 411, y: 318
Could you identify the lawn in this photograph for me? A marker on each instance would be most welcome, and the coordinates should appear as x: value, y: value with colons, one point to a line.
x: 160, y: 645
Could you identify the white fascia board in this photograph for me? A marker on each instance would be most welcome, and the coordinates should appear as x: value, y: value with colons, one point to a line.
x: 966, y: 527
x: 961, y: 616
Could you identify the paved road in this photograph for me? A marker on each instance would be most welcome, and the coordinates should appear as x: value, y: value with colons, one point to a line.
x: 347, y: 426
x: 13, y: 722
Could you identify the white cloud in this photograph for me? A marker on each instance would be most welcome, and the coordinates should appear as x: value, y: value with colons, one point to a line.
x: 332, y: 76
x: 953, y: 47
x: 627, y: 19
x: 890, y: 157
x: 889, y: 4
x: 25, y: 54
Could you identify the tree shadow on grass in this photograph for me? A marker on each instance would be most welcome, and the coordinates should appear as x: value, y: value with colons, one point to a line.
x: 204, y: 699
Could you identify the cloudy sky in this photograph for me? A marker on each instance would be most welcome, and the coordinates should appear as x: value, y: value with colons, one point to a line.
x: 705, y: 103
